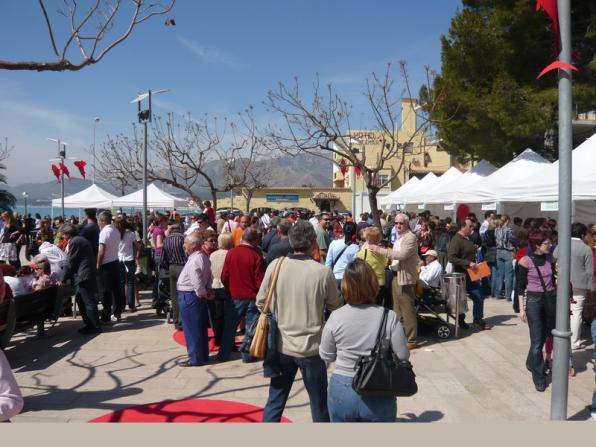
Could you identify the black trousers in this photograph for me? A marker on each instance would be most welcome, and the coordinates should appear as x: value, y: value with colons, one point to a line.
x: 174, y: 273
x: 217, y: 313
x: 110, y: 292
x: 86, y: 297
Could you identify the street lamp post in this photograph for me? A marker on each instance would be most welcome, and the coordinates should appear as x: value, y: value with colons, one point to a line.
x: 61, y: 157
x: 95, y: 121
x: 25, y: 195
x: 145, y: 116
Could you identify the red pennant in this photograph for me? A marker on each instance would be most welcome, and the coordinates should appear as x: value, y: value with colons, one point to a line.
x: 342, y: 167
x: 550, y: 7
x: 56, y: 172
x: 65, y: 170
x: 80, y: 164
x: 357, y: 171
x: 556, y: 65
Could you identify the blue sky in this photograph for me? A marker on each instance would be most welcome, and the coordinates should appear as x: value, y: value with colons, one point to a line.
x: 221, y: 57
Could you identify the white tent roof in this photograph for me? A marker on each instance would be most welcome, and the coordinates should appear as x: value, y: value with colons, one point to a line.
x: 450, y: 175
x: 450, y: 192
x: 156, y: 198
x: 543, y: 185
x: 393, y: 197
x: 489, y: 189
x: 413, y: 195
x: 91, y: 197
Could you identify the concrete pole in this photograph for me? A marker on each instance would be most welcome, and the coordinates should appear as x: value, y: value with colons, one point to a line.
x: 62, y: 155
x: 145, y: 185
x: 561, y: 334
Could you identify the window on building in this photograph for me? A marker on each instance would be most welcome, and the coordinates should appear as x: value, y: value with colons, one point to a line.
x: 408, y: 148
x: 382, y: 178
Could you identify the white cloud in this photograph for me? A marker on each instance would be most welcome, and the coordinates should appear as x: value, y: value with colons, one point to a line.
x: 210, y: 55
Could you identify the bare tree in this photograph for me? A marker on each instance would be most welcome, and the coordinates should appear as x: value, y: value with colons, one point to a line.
x: 91, y: 31
x: 220, y: 155
x: 321, y: 126
x: 5, y: 150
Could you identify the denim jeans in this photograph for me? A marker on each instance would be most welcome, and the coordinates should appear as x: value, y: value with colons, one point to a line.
x: 234, y: 310
x: 505, y: 272
x: 494, y: 290
x: 474, y: 290
x: 127, y: 278
x: 536, y: 314
x: 314, y: 376
x: 194, y: 315
x: 155, y: 291
x: 345, y: 405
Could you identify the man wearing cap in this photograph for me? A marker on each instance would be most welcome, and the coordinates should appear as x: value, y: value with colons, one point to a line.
x: 431, y: 270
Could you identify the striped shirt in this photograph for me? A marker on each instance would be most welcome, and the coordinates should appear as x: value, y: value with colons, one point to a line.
x: 173, y: 250
x: 196, y: 275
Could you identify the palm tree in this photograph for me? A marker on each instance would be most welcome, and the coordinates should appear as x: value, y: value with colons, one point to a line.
x: 6, y: 198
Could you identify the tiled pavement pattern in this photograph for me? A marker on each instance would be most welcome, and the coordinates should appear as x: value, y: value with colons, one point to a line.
x: 479, y: 376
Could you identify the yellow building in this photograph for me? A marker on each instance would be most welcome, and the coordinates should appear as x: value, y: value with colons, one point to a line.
x: 312, y: 198
x: 418, y: 158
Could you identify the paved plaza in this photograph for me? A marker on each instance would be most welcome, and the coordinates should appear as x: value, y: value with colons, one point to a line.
x: 479, y: 376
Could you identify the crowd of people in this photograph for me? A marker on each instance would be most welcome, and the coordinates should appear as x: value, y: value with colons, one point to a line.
x: 335, y: 276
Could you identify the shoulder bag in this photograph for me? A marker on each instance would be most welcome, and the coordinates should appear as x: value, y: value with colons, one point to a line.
x: 381, y: 373
x: 260, y: 341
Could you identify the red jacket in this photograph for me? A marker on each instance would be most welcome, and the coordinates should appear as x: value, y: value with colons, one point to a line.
x: 243, y: 272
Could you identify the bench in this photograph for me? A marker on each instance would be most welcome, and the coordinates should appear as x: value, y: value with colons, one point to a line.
x: 27, y: 311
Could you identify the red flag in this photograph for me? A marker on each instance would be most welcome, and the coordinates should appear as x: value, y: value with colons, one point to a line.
x: 65, y: 170
x: 81, y: 165
x: 357, y: 171
x: 342, y: 166
x: 56, y: 172
x: 555, y: 65
x: 550, y: 7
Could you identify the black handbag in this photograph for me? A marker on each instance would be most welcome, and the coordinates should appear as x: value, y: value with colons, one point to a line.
x: 381, y: 373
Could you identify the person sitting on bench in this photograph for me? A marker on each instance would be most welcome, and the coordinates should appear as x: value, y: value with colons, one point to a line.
x: 42, y: 272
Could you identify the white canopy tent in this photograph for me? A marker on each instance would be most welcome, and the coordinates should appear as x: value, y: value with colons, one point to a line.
x: 156, y: 198
x: 423, y: 185
x: 393, y: 197
x: 448, y: 176
x: 91, y: 197
x: 490, y: 189
x: 543, y: 185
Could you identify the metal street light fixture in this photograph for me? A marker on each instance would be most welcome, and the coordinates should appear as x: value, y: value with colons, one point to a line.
x: 145, y: 116
x: 95, y: 120
x: 25, y: 195
x: 61, y: 157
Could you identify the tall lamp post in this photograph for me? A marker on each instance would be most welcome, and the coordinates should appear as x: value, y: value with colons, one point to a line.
x: 95, y: 121
x: 25, y: 195
x: 61, y: 157
x: 145, y: 116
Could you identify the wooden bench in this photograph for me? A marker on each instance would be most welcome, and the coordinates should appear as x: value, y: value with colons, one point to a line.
x: 27, y: 311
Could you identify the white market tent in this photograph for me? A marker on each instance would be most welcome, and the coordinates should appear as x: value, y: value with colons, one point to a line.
x: 156, y: 198
x: 448, y: 176
x: 543, y: 185
x: 451, y: 192
x: 423, y: 185
x: 490, y: 189
x: 91, y: 197
x: 393, y: 197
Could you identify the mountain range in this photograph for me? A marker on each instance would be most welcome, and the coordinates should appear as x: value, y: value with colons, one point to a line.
x: 301, y: 170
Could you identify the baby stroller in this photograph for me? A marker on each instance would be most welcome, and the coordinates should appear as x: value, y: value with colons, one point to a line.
x: 430, y: 304
x: 163, y: 306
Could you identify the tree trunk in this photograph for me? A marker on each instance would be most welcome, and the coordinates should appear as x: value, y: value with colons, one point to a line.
x: 213, y: 199
x: 248, y: 197
x: 374, y: 208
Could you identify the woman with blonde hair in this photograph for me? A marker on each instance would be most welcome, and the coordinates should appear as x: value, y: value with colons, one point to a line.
x: 378, y: 263
x: 351, y: 333
x: 217, y: 306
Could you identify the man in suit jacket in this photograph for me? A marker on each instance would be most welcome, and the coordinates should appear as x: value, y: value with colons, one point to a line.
x: 404, y: 257
x: 80, y: 267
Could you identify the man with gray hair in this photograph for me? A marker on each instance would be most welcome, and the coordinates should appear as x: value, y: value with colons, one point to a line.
x: 80, y: 267
x: 281, y: 247
x: 304, y: 288
x: 404, y: 257
x: 108, y: 269
x: 242, y: 275
x: 194, y: 289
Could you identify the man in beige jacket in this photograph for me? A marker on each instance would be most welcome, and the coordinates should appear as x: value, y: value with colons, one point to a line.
x: 404, y: 257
